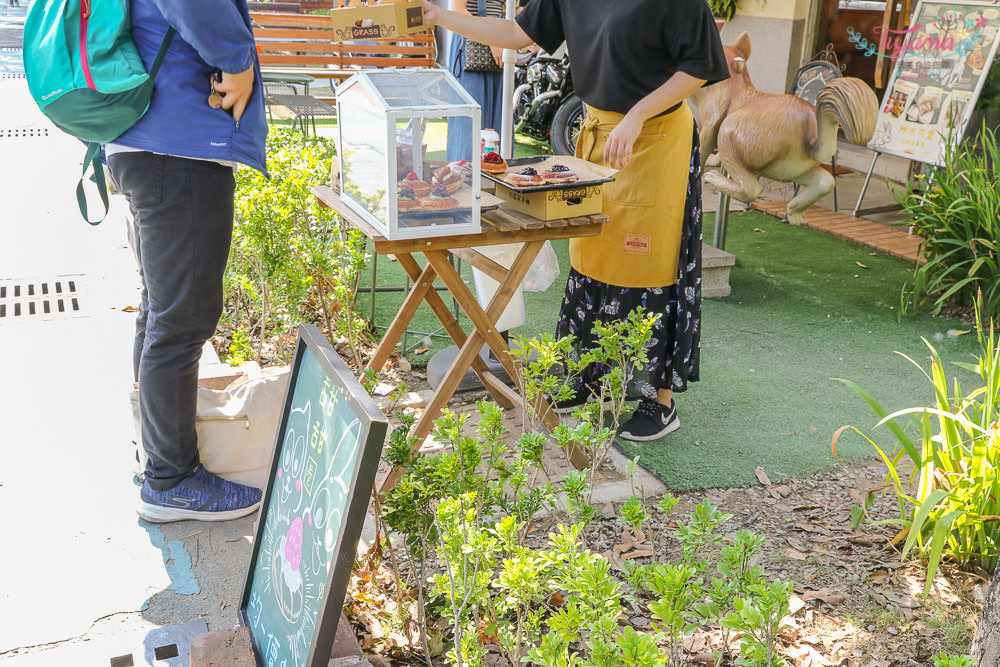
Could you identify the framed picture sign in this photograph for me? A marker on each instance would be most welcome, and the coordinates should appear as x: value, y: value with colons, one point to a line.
x: 327, y: 450
x: 941, y: 61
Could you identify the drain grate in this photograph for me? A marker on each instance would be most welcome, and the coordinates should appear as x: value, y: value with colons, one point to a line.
x: 23, y: 132
x: 26, y: 299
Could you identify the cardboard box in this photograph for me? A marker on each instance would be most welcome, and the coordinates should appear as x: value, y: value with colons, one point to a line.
x: 569, y: 202
x: 386, y: 19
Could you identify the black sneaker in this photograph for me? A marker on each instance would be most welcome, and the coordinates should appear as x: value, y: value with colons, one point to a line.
x: 650, y: 421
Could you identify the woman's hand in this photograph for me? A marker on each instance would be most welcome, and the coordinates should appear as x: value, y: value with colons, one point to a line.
x: 618, y: 147
x: 430, y: 14
x: 497, y: 55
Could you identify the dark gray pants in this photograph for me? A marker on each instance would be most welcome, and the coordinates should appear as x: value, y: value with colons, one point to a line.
x: 181, y: 233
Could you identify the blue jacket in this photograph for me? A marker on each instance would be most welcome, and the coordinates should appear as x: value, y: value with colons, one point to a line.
x: 210, y: 34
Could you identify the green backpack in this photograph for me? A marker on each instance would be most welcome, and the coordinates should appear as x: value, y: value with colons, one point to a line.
x: 86, y: 75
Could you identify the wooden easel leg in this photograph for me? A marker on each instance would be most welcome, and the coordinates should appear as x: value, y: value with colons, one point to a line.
x: 483, y: 323
x: 451, y: 325
x: 423, y: 285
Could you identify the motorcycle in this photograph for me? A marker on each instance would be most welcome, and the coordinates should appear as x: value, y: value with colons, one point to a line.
x: 545, y: 106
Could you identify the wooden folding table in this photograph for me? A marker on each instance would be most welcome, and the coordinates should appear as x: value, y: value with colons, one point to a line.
x: 501, y: 225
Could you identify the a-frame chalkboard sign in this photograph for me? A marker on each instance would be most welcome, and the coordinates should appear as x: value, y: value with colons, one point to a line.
x: 326, y: 452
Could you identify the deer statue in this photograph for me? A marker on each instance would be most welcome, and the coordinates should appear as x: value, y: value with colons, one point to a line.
x: 779, y: 136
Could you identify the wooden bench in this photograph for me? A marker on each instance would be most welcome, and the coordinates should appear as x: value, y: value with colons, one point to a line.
x: 301, y: 44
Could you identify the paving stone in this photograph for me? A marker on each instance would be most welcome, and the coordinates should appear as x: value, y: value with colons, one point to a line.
x: 223, y: 648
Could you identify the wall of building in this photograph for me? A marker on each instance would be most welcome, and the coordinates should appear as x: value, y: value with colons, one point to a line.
x: 778, y: 34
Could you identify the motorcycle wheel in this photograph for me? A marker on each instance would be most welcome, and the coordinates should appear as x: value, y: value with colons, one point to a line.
x: 566, y: 126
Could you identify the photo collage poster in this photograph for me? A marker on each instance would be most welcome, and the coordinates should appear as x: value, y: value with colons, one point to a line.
x: 941, y: 61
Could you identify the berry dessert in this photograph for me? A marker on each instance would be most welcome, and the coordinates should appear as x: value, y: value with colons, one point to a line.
x: 420, y: 188
x: 560, y: 173
x: 440, y: 198
x: 452, y: 175
x: 493, y: 163
x: 406, y: 198
x: 527, y: 176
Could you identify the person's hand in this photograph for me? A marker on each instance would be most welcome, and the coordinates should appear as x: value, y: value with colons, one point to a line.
x: 430, y: 14
x: 235, y: 90
x: 618, y: 147
x: 497, y: 54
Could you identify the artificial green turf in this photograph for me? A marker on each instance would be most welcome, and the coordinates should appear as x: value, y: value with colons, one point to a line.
x: 802, y: 312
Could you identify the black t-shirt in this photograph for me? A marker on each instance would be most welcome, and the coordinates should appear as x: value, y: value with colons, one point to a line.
x: 623, y: 50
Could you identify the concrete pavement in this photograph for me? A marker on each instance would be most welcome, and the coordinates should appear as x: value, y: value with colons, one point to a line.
x: 82, y: 579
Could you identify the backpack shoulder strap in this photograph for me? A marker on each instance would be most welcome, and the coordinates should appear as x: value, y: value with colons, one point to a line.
x: 93, y: 155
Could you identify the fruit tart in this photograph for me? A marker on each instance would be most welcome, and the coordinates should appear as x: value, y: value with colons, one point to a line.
x: 451, y: 176
x: 406, y: 198
x: 526, y: 177
x: 559, y: 173
x: 420, y: 188
x: 439, y: 199
x: 493, y: 163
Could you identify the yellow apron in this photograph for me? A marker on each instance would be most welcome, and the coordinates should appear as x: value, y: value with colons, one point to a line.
x: 640, y: 244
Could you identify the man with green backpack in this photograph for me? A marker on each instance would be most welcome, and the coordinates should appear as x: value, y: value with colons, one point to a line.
x: 175, y: 166
x: 205, y: 116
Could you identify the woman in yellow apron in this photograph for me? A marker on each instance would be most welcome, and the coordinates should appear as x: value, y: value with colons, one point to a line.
x: 634, y: 62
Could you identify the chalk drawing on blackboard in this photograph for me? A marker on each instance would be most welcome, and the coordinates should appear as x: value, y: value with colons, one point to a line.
x: 327, y: 450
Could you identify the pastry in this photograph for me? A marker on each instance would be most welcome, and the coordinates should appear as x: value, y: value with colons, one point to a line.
x: 525, y: 177
x: 493, y: 163
x: 439, y: 198
x: 451, y: 176
x: 420, y: 188
x: 559, y: 173
x: 406, y: 198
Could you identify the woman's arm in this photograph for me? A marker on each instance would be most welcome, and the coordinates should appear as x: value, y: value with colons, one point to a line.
x: 488, y: 30
x: 459, y: 7
x: 618, y: 148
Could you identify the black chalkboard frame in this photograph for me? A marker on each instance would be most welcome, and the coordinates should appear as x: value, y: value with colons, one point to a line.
x: 374, y: 428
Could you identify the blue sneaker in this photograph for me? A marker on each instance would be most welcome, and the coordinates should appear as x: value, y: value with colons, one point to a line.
x: 201, y: 497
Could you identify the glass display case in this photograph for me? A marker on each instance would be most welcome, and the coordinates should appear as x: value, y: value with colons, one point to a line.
x: 407, y: 138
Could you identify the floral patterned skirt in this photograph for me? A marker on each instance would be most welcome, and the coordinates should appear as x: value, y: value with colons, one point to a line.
x: 675, y: 346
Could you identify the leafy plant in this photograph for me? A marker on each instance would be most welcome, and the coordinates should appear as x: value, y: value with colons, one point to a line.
x: 758, y: 616
x: 620, y: 348
x: 955, y: 454
x: 737, y: 575
x: 726, y: 9
x: 956, y: 214
x: 290, y: 257
x: 241, y: 349
x: 945, y: 660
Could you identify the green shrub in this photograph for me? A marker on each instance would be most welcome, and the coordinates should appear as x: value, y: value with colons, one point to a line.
x: 956, y: 214
x: 952, y: 503
x: 291, y: 261
x: 945, y: 660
